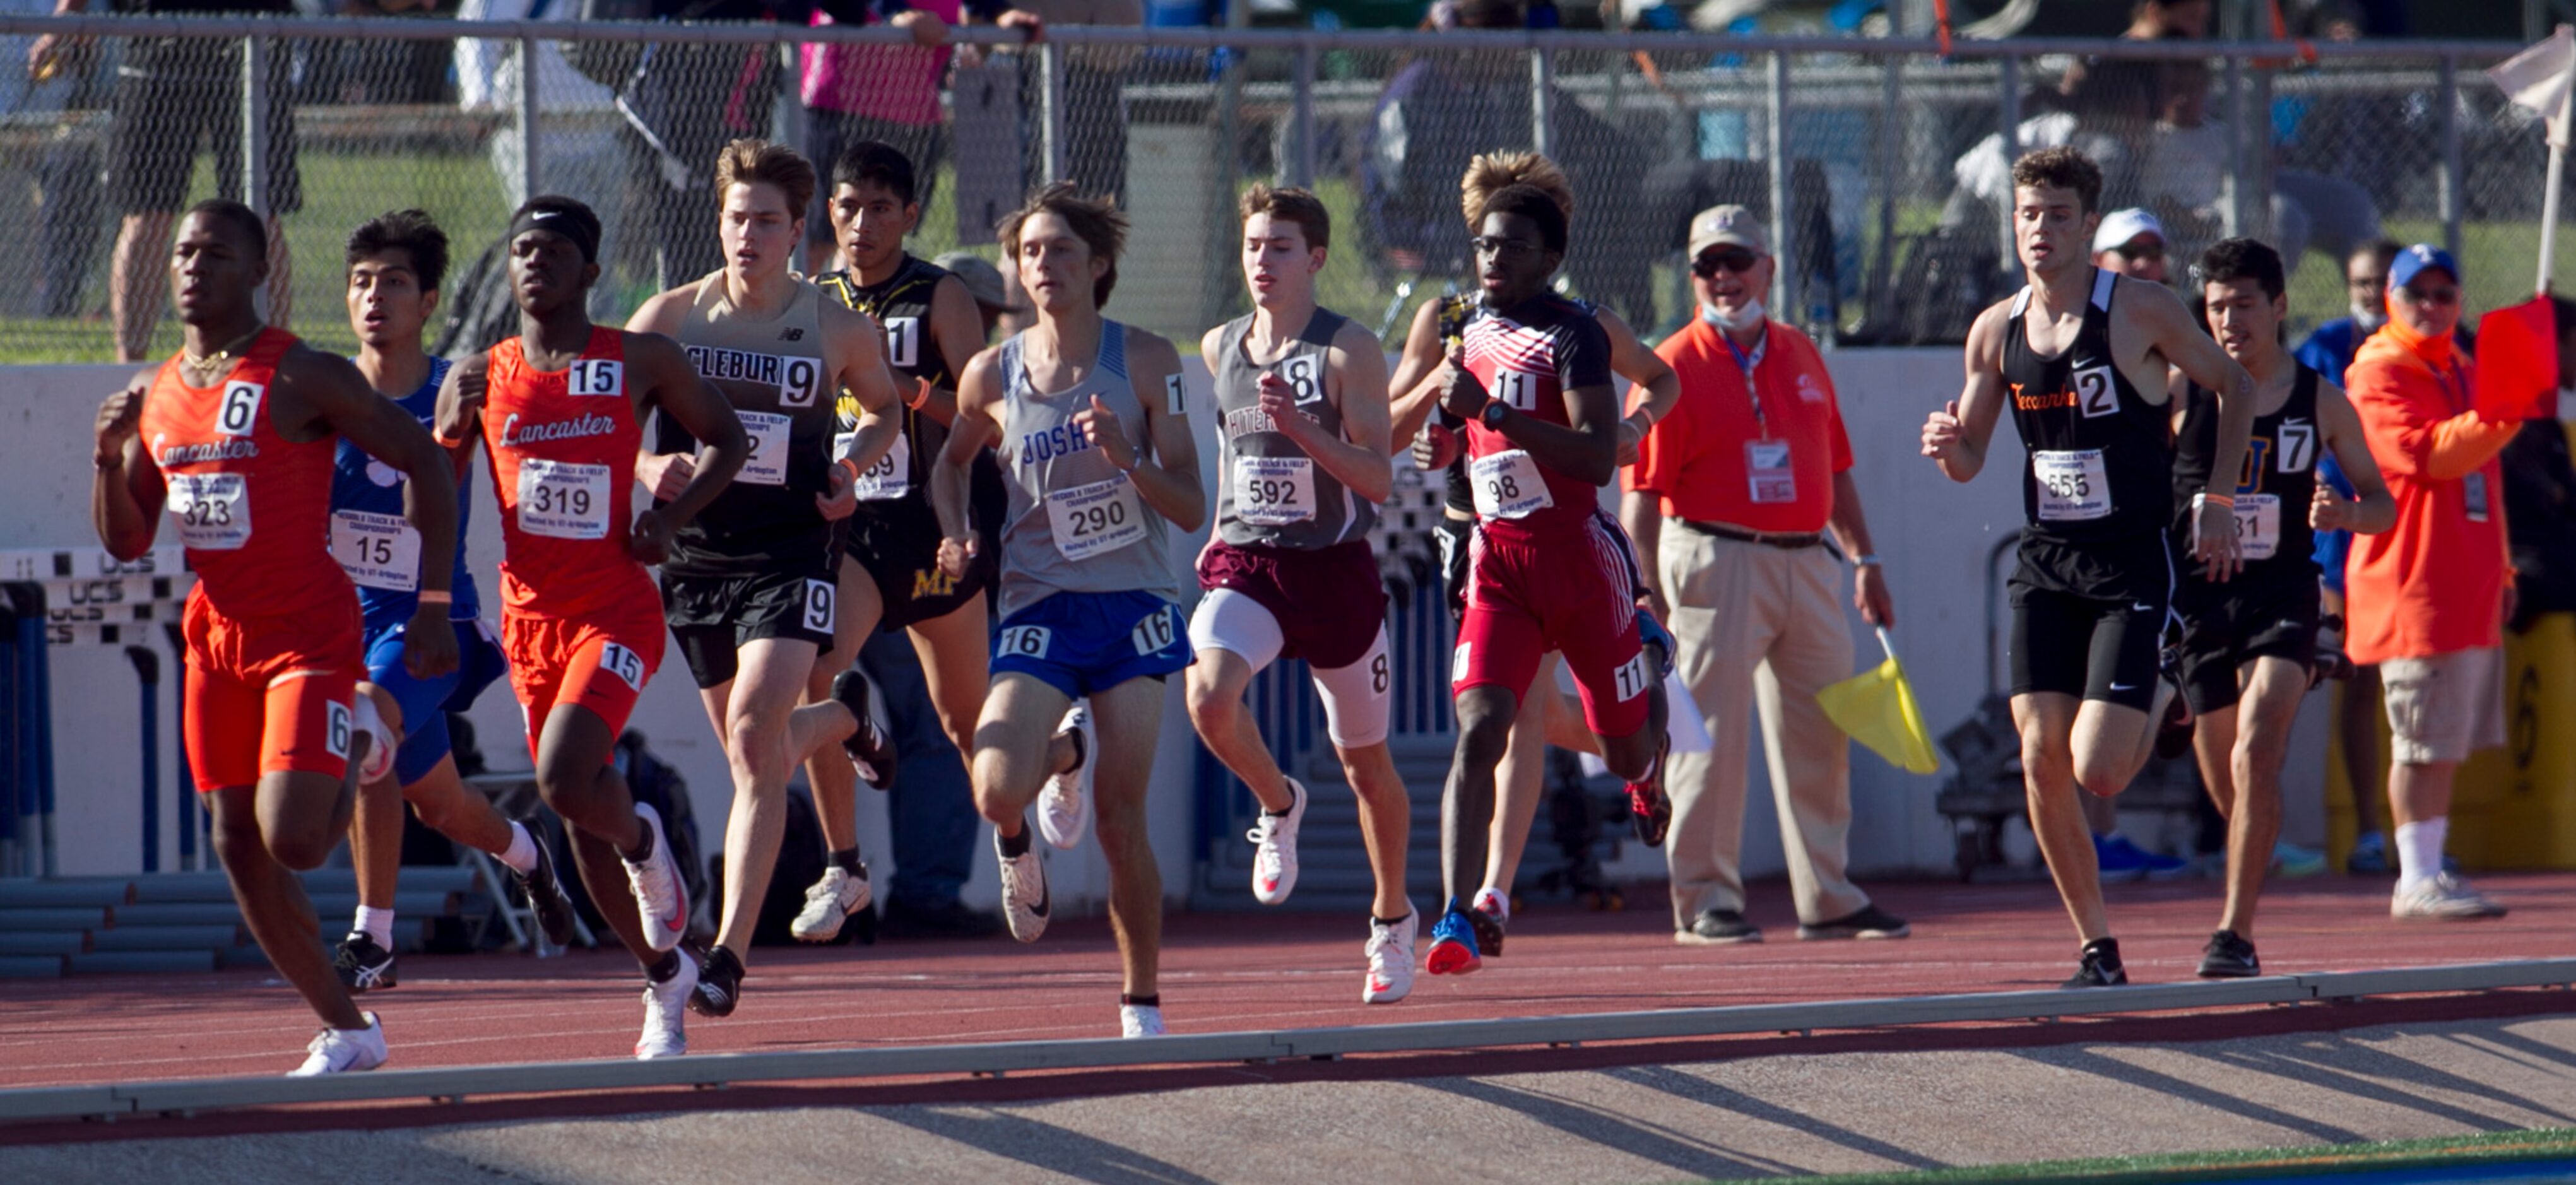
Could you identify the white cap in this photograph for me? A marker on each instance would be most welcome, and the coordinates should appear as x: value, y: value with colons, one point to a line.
x: 2120, y: 226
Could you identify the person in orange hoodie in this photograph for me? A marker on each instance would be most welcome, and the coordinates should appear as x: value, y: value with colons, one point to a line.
x: 2426, y: 599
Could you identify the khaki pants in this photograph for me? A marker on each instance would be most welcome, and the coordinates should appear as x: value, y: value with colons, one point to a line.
x: 1758, y: 626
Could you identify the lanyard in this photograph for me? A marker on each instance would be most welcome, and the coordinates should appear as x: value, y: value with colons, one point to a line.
x: 1748, y: 363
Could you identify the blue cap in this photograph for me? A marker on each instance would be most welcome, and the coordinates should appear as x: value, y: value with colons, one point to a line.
x: 2413, y: 260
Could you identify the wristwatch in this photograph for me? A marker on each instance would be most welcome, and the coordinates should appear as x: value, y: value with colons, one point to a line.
x: 1492, y: 414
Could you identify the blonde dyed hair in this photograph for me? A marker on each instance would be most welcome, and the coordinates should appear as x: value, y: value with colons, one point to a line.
x: 1493, y: 172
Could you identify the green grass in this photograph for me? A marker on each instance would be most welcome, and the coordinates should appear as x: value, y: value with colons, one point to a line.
x: 2500, y: 1148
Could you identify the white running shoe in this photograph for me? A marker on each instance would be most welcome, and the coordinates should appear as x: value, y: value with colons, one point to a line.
x: 1064, y: 807
x: 1274, y: 866
x: 1024, y: 890
x: 1140, y: 1020
x: 2442, y: 897
x: 666, y: 1013
x: 1493, y: 902
x: 1390, y: 959
x: 660, y: 895
x: 830, y: 902
x: 343, y: 1051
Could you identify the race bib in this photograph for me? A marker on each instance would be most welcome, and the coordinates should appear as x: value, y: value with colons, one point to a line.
x: 596, y: 377
x: 1095, y: 519
x: 562, y: 500
x: 2258, y: 524
x: 1274, y: 491
x: 2073, y: 485
x: 887, y: 480
x: 213, y: 510
x: 376, y: 550
x: 1508, y: 485
x: 1767, y: 472
x: 767, y: 465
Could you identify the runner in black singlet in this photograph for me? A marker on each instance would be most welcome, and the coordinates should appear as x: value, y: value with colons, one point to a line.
x: 2081, y: 356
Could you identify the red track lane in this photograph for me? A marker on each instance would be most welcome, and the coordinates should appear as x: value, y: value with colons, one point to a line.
x: 1232, y: 972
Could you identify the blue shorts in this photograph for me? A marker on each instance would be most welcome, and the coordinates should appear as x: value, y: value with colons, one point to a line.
x: 1079, y: 643
x: 425, y: 703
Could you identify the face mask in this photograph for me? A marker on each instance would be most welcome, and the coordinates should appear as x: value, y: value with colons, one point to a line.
x: 1741, y: 319
x: 2367, y: 318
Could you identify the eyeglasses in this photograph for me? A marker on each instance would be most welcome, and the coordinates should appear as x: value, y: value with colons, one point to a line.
x: 1707, y: 266
x: 2429, y: 295
x: 1487, y: 245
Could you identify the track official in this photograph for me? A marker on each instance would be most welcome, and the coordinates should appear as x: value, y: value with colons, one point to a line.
x: 1729, y: 503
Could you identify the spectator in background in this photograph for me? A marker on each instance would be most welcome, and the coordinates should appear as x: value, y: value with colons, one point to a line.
x: 577, y: 158
x: 2132, y: 243
x: 2426, y: 599
x: 2183, y: 177
x: 1729, y: 504
x: 2328, y: 350
x: 1095, y: 80
x: 172, y: 93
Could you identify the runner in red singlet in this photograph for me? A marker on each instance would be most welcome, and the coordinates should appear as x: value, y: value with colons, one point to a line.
x: 235, y: 437
x: 561, y: 408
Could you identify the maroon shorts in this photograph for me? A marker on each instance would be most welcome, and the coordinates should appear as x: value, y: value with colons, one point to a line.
x: 1569, y: 590
x: 1329, y: 601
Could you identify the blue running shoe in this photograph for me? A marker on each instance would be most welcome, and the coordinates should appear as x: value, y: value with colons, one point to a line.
x: 1453, y: 945
x: 2123, y: 861
x: 2370, y: 856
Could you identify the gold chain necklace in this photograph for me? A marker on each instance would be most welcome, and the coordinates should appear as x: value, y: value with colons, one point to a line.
x: 211, y: 364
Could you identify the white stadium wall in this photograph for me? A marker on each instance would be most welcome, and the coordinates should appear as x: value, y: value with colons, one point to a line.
x: 1934, y: 537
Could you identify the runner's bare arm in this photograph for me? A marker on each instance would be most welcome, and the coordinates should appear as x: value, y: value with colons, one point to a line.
x: 1641, y: 512
x: 661, y: 378
x: 125, y: 489
x: 2170, y: 331
x: 861, y: 346
x: 957, y: 332
x: 1359, y: 457
x: 1413, y: 390
x: 1654, y: 387
x: 330, y: 391
x: 979, y: 388
x: 2376, y: 509
x: 665, y: 474
x: 1956, y: 436
x: 1171, y: 483
x: 459, y: 418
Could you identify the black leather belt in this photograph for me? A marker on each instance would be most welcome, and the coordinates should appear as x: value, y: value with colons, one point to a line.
x: 1784, y: 540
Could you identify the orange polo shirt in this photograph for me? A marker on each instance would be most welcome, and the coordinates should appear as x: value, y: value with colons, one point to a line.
x: 1715, y: 459
x: 2433, y: 583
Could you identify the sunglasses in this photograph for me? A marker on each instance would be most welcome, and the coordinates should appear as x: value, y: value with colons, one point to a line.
x: 2429, y: 295
x: 1707, y: 266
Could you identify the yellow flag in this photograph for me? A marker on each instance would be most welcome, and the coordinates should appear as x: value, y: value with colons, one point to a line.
x: 1877, y: 708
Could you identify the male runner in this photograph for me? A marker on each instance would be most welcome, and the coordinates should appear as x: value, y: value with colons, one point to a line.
x: 1094, y: 430
x: 235, y: 436
x: 395, y: 264
x: 2249, y: 646
x: 889, y: 575
x: 1547, y: 570
x: 1434, y: 334
x: 2081, y: 355
x: 561, y: 407
x: 750, y: 587
x: 1301, y: 398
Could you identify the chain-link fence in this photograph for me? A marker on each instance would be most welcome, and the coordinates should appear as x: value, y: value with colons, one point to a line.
x: 1880, y: 166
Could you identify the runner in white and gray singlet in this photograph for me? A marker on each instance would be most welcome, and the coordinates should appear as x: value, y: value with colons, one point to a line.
x: 1075, y: 523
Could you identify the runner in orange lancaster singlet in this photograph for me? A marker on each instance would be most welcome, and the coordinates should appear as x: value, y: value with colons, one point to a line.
x: 235, y: 438
x: 561, y: 408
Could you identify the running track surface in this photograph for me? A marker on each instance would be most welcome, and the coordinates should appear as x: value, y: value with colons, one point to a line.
x: 1232, y: 972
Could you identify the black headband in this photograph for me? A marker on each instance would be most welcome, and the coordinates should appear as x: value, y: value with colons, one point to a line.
x: 558, y: 222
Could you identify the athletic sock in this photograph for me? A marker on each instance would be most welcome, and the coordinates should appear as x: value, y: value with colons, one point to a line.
x: 847, y: 860
x: 1389, y: 923
x: 375, y: 923
x: 1013, y: 845
x: 521, y: 855
x: 644, y: 850
x: 662, y: 969
x: 2419, y: 850
x: 1148, y: 1000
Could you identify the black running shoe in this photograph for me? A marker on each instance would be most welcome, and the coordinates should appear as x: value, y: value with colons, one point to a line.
x: 2100, y: 966
x: 1718, y: 927
x: 869, y: 749
x: 362, y: 965
x: 2228, y: 957
x: 1489, y: 932
x: 719, y: 983
x: 1650, y: 811
x: 544, y: 894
